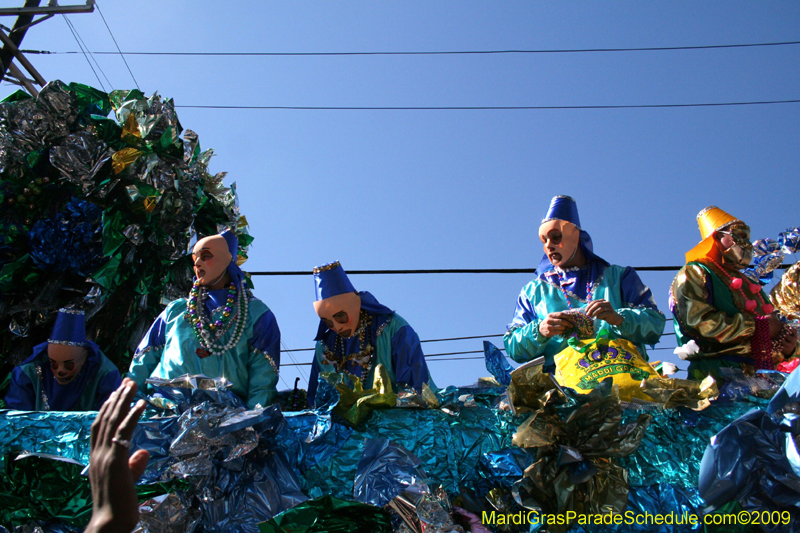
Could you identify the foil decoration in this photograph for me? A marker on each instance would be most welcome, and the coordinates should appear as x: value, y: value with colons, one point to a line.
x: 54, y: 491
x: 70, y: 241
x: 63, y: 144
x: 17, y: 327
x: 767, y: 255
x: 576, y: 443
x: 355, y: 404
x: 789, y: 240
x: 496, y: 364
x: 532, y: 389
x: 755, y: 462
x: 424, y: 512
x: 408, y: 397
x: 79, y: 158
x: 330, y: 515
x: 785, y: 295
x: 676, y: 439
x: 673, y: 392
x: 234, y: 483
x: 385, y: 470
x: 168, y: 513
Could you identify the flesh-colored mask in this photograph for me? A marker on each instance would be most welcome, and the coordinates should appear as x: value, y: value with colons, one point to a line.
x: 560, y: 240
x: 340, y: 313
x: 65, y: 361
x: 211, y: 259
x: 736, y: 248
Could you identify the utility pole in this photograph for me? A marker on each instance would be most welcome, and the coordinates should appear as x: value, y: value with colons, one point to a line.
x: 12, y: 41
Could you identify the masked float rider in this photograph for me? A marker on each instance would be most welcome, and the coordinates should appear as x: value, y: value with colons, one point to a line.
x: 221, y: 330
x: 357, y: 333
x: 722, y: 317
x: 571, y: 277
x: 66, y: 373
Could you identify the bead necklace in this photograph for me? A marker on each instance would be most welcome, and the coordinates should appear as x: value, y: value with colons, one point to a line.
x: 195, y: 316
x: 362, y: 358
x: 736, y: 283
x: 562, y: 282
x: 777, y: 343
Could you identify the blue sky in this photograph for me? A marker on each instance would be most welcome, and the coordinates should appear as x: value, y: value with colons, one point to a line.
x: 436, y: 189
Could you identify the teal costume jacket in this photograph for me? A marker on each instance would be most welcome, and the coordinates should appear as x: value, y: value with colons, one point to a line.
x: 169, y: 350
x: 642, y: 322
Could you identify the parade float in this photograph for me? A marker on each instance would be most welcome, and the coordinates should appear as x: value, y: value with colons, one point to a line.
x: 103, y: 193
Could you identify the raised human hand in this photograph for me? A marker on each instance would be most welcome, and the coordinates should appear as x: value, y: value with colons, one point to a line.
x: 112, y: 470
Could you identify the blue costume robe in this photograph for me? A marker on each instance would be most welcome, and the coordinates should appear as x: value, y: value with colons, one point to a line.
x: 396, y: 346
x: 169, y: 350
x: 97, y: 379
x: 642, y: 322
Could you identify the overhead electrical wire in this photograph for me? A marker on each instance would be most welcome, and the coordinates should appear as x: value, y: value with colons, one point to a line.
x: 115, y: 44
x: 459, y: 271
x: 81, y: 45
x: 485, y: 108
x: 444, y: 52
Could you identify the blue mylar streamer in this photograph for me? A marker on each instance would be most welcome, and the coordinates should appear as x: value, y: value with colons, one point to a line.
x: 385, y: 470
x: 496, y: 363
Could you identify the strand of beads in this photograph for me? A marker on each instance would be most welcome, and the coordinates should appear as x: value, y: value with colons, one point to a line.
x: 737, y: 284
x: 761, y: 346
x: 203, y: 327
x: 777, y: 343
x: 196, y: 316
x: 240, y: 323
x: 589, y: 288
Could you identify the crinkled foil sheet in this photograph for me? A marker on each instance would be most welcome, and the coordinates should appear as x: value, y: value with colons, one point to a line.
x: 237, y: 468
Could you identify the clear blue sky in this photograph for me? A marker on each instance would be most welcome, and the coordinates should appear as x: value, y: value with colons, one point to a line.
x: 463, y: 189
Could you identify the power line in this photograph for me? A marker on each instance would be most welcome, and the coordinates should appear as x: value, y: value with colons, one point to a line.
x: 486, y: 108
x: 75, y: 35
x: 464, y: 338
x: 445, y: 52
x: 291, y: 356
x: 115, y: 44
x: 460, y: 271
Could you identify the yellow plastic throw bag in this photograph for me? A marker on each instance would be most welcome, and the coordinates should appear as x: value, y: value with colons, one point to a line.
x: 584, y: 364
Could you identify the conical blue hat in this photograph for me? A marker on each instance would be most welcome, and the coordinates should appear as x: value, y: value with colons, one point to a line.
x: 70, y: 328
x: 563, y: 208
x: 331, y: 280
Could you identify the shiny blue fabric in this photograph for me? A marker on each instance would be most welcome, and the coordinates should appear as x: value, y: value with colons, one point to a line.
x: 69, y: 327
x: 496, y: 363
x: 333, y: 282
x: 563, y: 208
x: 755, y: 462
x: 384, y: 471
x: 755, y: 459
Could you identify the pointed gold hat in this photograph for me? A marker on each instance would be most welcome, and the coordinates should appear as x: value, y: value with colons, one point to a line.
x: 709, y: 220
